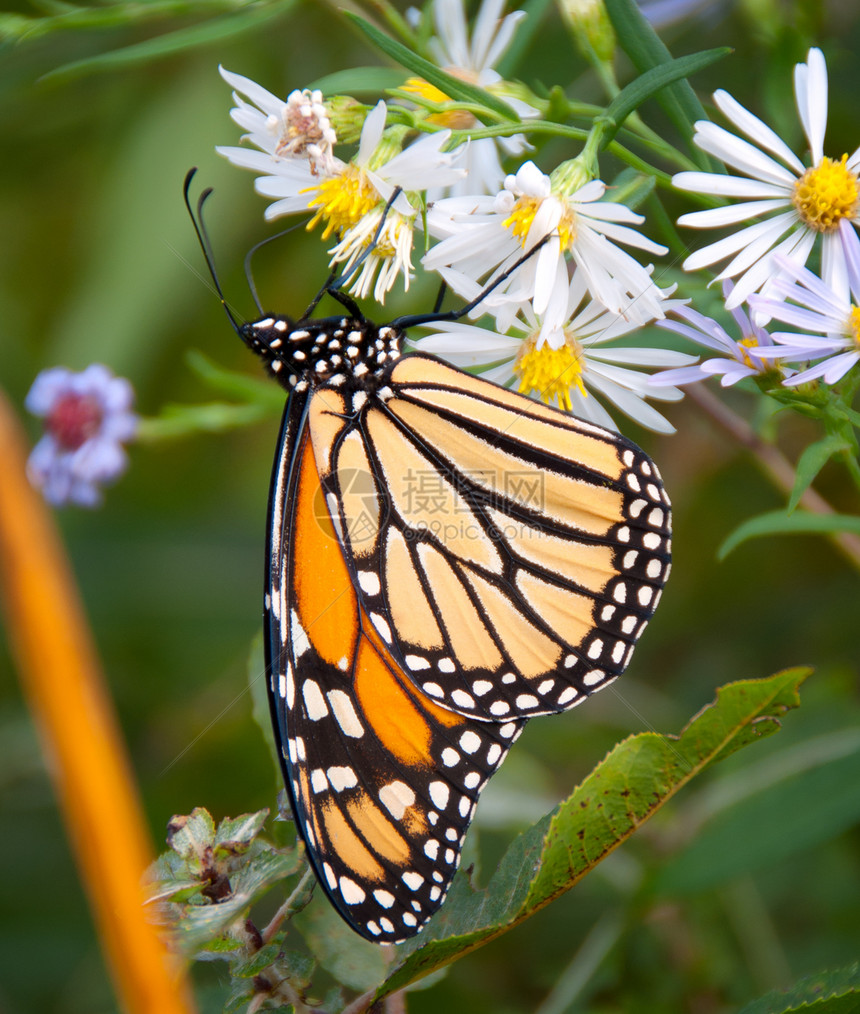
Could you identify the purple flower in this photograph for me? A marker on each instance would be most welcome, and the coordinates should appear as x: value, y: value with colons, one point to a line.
x: 734, y: 360
x: 87, y: 418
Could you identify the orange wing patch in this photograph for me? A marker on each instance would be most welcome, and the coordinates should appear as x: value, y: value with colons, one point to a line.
x: 383, y: 780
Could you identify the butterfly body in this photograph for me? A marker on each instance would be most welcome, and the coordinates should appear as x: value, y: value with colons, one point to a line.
x: 340, y: 352
x: 445, y: 560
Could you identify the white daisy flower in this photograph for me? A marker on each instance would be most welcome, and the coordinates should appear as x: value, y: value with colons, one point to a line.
x: 472, y: 61
x: 736, y: 359
x: 351, y: 198
x: 789, y: 205
x: 569, y: 365
x: 298, y: 128
x: 88, y: 418
x: 829, y: 322
x: 482, y: 237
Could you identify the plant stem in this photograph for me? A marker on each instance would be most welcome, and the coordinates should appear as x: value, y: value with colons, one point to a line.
x: 289, y: 906
x: 774, y: 464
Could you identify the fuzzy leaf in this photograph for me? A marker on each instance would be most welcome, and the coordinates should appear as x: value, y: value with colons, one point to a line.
x: 623, y: 791
x: 242, y: 829
x: 779, y: 523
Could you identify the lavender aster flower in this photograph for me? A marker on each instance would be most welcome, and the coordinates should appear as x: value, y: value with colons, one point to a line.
x: 87, y: 419
x: 735, y: 359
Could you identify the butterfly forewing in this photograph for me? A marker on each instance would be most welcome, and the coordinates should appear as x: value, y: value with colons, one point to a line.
x: 382, y: 780
x: 508, y: 555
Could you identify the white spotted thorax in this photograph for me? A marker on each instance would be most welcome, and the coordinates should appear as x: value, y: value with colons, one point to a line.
x: 336, y: 351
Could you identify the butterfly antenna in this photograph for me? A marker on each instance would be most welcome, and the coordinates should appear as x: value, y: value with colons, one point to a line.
x: 334, y: 285
x: 247, y: 263
x: 205, y: 245
x: 413, y: 320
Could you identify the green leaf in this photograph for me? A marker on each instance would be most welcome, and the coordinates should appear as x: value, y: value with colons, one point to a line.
x: 190, y: 836
x: 199, y: 924
x: 235, y: 384
x: 829, y: 992
x: 650, y: 83
x: 242, y: 829
x: 360, y: 81
x: 813, y: 459
x: 779, y: 523
x: 624, y: 790
x: 178, y: 421
x: 352, y: 961
x: 454, y: 88
x: 256, y: 963
x: 646, y: 50
x: 170, y: 43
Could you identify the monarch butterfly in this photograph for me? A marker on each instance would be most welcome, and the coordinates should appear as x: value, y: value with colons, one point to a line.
x: 411, y: 633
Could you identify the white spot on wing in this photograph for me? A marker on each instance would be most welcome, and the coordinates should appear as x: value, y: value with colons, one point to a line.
x: 396, y: 797
x: 344, y: 712
x: 315, y: 705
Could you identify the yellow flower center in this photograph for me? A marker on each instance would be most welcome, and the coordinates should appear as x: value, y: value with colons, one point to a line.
x: 749, y: 343
x: 456, y: 119
x: 520, y: 221
x: 827, y: 193
x: 551, y: 372
x: 854, y: 325
x: 342, y: 200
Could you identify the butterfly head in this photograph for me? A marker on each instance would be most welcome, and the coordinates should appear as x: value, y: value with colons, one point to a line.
x: 335, y: 351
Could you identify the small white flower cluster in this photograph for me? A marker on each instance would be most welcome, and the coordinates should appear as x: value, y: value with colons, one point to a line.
x: 548, y: 250
x: 788, y: 213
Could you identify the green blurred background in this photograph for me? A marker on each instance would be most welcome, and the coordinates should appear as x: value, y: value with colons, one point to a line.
x: 748, y: 881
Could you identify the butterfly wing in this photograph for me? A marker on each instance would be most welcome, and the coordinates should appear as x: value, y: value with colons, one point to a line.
x: 382, y: 780
x: 508, y: 555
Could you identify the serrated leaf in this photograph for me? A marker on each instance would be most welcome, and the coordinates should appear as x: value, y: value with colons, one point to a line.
x: 623, y: 791
x: 241, y: 829
x: 454, y: 88
x: 829, y: 992
x: 201, y: 924
x: 652, y: 82
x: 189, y: 836
x: 259, y: 960
x: 173, y: 890
x: 810, y: 463
x: 779, y: 523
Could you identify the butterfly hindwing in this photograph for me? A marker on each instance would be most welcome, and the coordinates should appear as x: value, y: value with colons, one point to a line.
x: 382, y: 780
x: 508, y: 554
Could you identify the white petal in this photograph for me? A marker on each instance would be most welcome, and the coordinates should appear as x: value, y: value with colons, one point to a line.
x: 810, y: 89
x: 757, y: 130
x: 742, y: 155
x: 721, y: 185
x: 731, y: 214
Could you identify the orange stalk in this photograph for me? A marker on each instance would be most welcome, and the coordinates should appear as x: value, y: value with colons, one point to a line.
x: 62, y: 679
